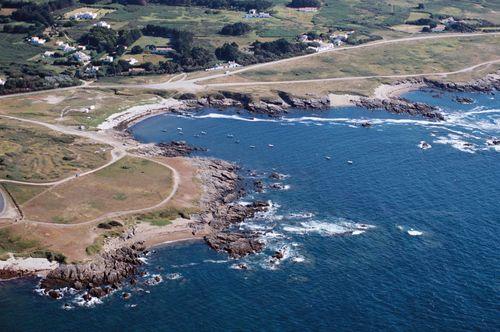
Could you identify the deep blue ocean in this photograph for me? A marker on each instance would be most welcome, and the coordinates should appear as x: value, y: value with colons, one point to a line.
x: 427, y: 259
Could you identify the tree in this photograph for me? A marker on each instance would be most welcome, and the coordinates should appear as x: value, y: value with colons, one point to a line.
x: 304, y: 3
x: 228, y: 52
x: 136, y: 50
x: 101, y: 39
x: 236, y: 29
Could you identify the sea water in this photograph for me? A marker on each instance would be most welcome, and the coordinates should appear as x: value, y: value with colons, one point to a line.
x: 378, y: 234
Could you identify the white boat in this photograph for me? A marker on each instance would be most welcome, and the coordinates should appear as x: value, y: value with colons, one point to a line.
x: 350, y: 162
x: 270, y: 145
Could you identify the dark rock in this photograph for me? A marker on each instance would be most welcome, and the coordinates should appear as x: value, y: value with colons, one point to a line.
x: 235, y: 244
x: 464, y: 100
x: 258, y: 186
x: 277, y: 176
x: 177, y: 149
x: 278, y: 254
x: 97, y: 292
x: 401, y: 106
x: 366, y: 125
x: 109, y: 269
x: 126, y: 296
x: 55, y: 294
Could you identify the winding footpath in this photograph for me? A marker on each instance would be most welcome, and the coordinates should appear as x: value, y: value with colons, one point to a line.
x: 119, y: 151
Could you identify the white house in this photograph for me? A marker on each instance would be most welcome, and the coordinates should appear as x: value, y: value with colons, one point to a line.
x: 161, y: 50
x: 307, y: 9
x: 48, y: 54
x: 2, y: 82
x: 132, y: 61
x: 84, y: 16
x: 37, y: 41
x: 103, y: 24
x: 81, y: 57
x: 252, y: 13
x: 219, y: 66
x: 91, y: 70
x: 66, y: 48
x: 107, y: 58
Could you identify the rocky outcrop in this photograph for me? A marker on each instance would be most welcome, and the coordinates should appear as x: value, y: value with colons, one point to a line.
x: 401, y: 106
x: 489, y: 83
x: 100, y: 275
x: 222, y: 188
x: 176, y: 149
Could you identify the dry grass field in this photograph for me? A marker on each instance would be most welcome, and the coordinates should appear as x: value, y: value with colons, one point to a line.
x: 129, y: 184
x: 426, y: 56
x: 87, y: 107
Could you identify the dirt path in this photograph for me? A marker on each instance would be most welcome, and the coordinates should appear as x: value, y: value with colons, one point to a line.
x: 116, y: 214
x: 352, y: 78
x: 118, y: 152
x: 195, y: 83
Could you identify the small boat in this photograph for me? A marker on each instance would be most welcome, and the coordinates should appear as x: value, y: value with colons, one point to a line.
x: 328, y: 158
x: 164, y: 130
x: 203, y: 132
x: 229, y: 135
x: 179, y: 129
x: 270, y: 145
x: 252, y: 146
x: 350, y: 162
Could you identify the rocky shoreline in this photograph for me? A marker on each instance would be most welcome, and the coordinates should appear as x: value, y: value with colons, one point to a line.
x: 110, y: 270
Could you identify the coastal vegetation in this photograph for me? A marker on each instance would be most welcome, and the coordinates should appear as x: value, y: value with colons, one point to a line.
x: 193, y: 31
x: 425, y: 56
x: 30, y: 153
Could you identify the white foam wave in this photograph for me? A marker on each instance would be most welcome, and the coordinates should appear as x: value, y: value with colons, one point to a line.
x: 328, y: 228
x: 173, y: 276
x: 456, y: 142
x: 216, y: 261
x: 300, y: 215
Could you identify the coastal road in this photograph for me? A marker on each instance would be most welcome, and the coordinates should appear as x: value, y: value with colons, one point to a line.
x: 181, y: 81
x: 353, y: 78
x: 196, y: 83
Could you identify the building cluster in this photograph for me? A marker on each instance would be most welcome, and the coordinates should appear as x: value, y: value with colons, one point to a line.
x: 307, y: 9
x: 252, y: 13
x: 37, y: 41
x: 334, y: 40
x: 84, y: 16
x: 103, y: 24
x: 221, y: 66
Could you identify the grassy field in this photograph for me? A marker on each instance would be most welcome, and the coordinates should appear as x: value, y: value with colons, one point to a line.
x: 35, y: 154
x: 427, y: 56
x: 128, y: 184
x: 47, y: 106
x: 22, y: 193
